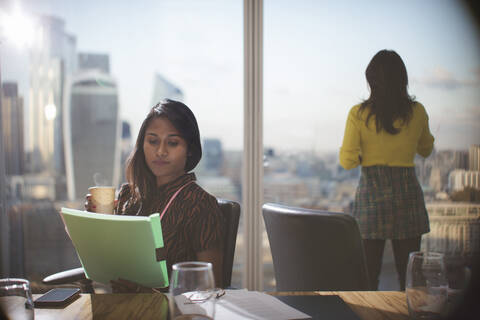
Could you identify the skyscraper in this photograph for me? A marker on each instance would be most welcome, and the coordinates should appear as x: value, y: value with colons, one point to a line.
x: 459, y: 179
x: 89, y: 61
x: 126, y: 149
x: 92, y: 132
x: 162, y: 88
x: 461, y: 160
x: 474, y: 157
x: 454, y: 229
x: 12, y: 123
x: 52, y: 59
x: 212, y: 154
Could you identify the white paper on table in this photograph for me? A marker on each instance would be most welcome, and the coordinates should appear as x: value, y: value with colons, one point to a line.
x: 186, y: 307
x: 244, y: 304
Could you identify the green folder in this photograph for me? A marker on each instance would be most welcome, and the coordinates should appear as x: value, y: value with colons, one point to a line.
x: 116, y: 246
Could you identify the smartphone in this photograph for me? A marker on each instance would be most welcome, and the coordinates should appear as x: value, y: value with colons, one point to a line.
x: 58, y: 297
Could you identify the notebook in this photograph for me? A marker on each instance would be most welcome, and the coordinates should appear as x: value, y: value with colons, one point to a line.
x: 321, y: 307
x: 241, y: 304
x: 116, y: 246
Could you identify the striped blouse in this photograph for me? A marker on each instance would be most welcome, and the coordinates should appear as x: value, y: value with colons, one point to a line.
x: 193, y: 223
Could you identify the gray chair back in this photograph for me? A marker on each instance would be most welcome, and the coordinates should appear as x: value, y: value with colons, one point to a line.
x: 315, y: 250
x: 231, y: 217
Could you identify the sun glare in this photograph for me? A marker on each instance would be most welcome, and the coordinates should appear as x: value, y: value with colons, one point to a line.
x: 17, y: 28
x: 50, y: 111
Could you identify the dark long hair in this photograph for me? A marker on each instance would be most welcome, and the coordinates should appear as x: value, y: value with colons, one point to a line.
x: 389, y: 99
x: 139, y: 176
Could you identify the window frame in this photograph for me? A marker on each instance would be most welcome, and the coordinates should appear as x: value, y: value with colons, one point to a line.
x: 252, y: 186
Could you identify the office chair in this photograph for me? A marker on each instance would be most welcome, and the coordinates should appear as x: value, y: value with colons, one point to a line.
x: 315, y: 250
x: 231, y: 212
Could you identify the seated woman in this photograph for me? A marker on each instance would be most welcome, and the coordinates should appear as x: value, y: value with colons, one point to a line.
x: 168, y: 147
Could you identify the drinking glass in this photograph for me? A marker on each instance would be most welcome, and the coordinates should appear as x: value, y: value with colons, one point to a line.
x: 16, y: 299
x: 426, y: 285
x: 192, y: 291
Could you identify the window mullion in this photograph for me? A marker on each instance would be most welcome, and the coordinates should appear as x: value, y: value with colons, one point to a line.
x: 252, y: 186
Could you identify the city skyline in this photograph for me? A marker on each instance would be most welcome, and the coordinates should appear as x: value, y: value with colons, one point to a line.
x: 307, y: 54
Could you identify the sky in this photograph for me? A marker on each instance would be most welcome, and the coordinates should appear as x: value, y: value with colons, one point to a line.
x: 315, y: 55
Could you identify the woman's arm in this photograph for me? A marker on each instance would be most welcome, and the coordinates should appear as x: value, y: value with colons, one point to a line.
x: 425, y: 143
x: 205, y: 232
x: 215, y: 257
x: 350, y: 152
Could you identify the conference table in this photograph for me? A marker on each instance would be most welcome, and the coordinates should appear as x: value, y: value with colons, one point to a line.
x: 371, y: 305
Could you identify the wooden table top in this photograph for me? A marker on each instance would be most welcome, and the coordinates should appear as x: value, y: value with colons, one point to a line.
x: 369, y: 305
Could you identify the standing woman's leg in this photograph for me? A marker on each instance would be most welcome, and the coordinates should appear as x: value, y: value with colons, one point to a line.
x: 401, y: 250
x: 374, y: 254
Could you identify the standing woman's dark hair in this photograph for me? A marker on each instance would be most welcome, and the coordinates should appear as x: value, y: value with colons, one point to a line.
x: 139, y: 176
x: 389, y: 99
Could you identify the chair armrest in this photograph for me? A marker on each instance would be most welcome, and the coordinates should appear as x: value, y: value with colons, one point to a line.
x: 65, y: 277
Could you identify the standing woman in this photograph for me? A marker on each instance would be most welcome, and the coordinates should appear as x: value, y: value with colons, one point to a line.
x: 383, y: 134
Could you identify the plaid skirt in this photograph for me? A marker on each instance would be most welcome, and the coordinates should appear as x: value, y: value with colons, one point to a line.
x: 389, y: 204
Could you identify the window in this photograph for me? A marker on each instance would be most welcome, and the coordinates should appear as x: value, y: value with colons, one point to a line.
x: 315, y: 56
x: 108, y: 64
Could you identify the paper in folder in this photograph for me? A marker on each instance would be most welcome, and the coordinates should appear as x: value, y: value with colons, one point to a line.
x: 116, y: 246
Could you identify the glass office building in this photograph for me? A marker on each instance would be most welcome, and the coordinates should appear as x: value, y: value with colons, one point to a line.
x: 92, y: 133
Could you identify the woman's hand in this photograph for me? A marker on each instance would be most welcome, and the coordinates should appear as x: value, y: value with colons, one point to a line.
x: 126, y: 286
x: 90, y: 207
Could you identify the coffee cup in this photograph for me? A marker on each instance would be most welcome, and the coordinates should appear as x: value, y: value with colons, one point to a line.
x: 103, y: 198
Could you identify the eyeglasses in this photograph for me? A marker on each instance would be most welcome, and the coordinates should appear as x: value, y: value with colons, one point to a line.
x: 202, y: 296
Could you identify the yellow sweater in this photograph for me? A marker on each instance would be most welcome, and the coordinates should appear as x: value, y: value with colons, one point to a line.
x: 364, y: 146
